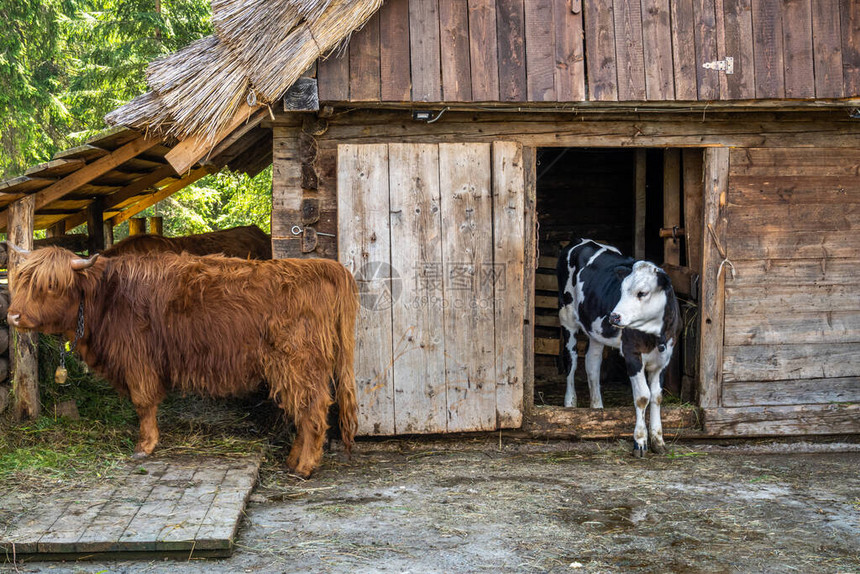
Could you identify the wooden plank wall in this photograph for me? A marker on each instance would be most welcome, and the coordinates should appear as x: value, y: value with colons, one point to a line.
x: 792, y: 312
x: 440, y: 339
x: 648, y: 50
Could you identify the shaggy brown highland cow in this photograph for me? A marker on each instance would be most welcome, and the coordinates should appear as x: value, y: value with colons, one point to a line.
x: 211, y: 325
x: 249, y: 242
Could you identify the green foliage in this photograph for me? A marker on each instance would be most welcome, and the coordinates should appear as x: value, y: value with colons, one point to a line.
x: 65, y: 63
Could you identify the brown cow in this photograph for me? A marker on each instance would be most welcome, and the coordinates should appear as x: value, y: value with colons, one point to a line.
x: 211, y: 325
x: 249, y: 242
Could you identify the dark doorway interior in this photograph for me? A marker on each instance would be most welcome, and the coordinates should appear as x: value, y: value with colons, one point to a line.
x: 614, y: 196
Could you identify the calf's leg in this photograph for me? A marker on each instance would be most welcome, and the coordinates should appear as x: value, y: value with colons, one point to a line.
x: 641, y: 397
x: 656, y: 424
x: 593, y: 360
x: 569, y: 359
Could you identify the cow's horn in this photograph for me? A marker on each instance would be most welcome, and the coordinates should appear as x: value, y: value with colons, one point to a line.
x: 80, y: 264
x: 18, y: 250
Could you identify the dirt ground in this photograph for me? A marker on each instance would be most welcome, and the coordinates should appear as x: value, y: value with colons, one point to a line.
x: 470, y: 506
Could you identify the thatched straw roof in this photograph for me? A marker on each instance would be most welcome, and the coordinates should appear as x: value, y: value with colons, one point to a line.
x: 260, y: 47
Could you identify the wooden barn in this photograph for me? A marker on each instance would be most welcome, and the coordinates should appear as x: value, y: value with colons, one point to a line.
x: 445, y: 150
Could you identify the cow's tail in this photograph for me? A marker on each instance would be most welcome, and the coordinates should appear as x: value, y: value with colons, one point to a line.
x: 344, y: 361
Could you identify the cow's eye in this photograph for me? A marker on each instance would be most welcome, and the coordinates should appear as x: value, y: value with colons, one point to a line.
x: 641, y: 294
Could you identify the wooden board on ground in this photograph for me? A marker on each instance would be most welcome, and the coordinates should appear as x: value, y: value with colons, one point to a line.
x: 187, y: 507
x: 559, y: 422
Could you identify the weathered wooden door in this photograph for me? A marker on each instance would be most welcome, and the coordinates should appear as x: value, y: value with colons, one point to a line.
x: 434, y: 234
x: 781, y: 302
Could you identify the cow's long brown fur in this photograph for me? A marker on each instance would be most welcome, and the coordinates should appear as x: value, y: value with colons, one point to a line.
x: 211, y: 325
x: 249, y: 242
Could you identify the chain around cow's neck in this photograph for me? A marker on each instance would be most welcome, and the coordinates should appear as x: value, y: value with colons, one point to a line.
x: 79, y: 333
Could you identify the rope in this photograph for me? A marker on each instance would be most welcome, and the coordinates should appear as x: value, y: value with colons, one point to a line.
x: 722, y: 252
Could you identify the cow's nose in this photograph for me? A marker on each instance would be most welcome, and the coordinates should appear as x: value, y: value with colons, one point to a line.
x: 13, y: 318
x: 615, y: 319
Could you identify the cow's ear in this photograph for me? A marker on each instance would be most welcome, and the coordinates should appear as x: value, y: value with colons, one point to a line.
x: 622, y: 271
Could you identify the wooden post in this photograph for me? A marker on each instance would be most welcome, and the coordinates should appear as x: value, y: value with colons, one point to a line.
x: 712, y: 304
x: 672, y: 204
x: 530, y: 236
x: 156, y: 225
x: 108, y: 231
x: 639, y: 218
x: 672, y: 246
x: 136, y: 226
x: 95, y: 226
x: 25, y: 346
x: 693, y: 197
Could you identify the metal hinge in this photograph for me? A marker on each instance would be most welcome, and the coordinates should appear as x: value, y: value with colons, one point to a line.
x: 727, y: 65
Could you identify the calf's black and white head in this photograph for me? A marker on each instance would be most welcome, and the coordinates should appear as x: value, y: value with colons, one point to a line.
x: 646, y: 297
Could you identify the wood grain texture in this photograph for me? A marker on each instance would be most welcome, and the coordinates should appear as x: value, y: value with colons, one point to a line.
x: 672, y: 204
x: 768, y: 49
x: 456, y: 59
x: 640, y: 195
x: 364, y: 248
x: 705, y: 33
x: 540, y: 51
x: 827, y: 48
x: 797, y: 42
x: 804, y: 245
x: 684, y: 63
x: 738, y: 40
x: 777, y: 393
x: 333, y: 76
x: 24, y: 352
x: 464, y: 177
x: 762, y: 299
x: 783, y: 421
x: 657, y: 40
x: 791, y: 362
x: 693, y: 207
x: 600, y: 50
x: 559, y: 422
x: 569, y: 53
x: 823, y: 271
x: 394, y: 64
x: 483, y: 47
x: 629, y: 50
x: 508, y: 268
x: 850, y: 24
x: 799, y: 328
x: 364, y: 58
x: 716, y: 172
x: 424, y: 42
x: 420, y: 396
x: 510, y: 29
x: 530, y: 264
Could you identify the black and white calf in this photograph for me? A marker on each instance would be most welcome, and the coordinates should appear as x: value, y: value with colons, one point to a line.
x: 628, y: 305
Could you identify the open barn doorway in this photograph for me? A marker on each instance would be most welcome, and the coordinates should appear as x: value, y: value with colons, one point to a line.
x: 645, y: 202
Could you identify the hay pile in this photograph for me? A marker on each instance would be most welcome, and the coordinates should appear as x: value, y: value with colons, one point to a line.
x: 260, y: 48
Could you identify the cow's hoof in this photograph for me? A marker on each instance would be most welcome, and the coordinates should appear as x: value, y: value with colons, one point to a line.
x: 638, y: 451
x: 658, y: 447
x: 139, y: 455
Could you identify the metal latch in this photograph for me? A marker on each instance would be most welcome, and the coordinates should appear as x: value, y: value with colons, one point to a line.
x: 727, y: 65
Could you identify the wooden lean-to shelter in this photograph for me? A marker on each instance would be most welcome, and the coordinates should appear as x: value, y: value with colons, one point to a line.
x: 446, y: 150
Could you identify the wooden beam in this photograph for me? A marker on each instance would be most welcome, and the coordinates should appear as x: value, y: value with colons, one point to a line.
x: 126, y: 193
x: 639, y: 218
x: 692, y: 160
x: 713, y: 283
x: 95, y: 226
x: 86, y: 174
x: 191, y: 150
x: 108, y: 231
x: 163, y: 193
x: 56, y: 230
x: 25, y: 346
